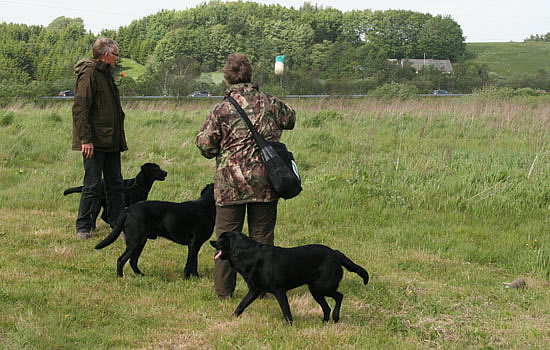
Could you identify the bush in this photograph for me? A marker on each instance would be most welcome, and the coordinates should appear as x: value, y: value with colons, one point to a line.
x: 11, y: 90
x: 527, y: 92
x: 6, y: 119
x: 493, y: 91
x: 505, y: 92
x: 395, y: 90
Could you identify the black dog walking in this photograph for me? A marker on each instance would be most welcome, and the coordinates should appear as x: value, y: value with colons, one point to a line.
x: 188, y: 223
x: 276, y: 270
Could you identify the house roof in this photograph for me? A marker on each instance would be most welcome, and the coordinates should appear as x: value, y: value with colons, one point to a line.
x: 419, y: 63
x: 442, y: 65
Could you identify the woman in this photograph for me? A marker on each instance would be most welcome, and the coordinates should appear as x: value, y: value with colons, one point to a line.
x: 241, y: 185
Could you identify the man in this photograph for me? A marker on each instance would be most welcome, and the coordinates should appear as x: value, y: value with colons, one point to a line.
x: 98, y: 132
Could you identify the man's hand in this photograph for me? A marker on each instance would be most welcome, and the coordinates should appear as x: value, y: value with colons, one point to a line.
x: 88, y: 150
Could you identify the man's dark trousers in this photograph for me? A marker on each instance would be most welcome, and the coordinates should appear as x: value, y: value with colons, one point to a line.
x: 107, y: 163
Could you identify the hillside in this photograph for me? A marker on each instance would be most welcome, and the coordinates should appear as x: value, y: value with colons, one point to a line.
x: 509, y: 59
x: 131, y: 68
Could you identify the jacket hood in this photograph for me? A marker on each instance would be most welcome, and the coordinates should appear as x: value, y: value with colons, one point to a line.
x: 82, y: 64
x: 86, y: 63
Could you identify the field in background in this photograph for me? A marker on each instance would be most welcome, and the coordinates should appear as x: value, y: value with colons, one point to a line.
x: 134, y: 70
x: 131, y: 68
x: 441, y: 200
x: 509, y: 59
x: 215, y: 77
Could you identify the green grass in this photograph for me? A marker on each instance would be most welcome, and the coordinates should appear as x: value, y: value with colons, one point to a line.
x: 131, y: 68
x: 215, y: 77
x: 134, y: 70
x: 507, y: 59
x: 440, y: 200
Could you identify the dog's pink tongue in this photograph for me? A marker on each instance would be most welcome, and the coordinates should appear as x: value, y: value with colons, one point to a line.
x: 218, y: 254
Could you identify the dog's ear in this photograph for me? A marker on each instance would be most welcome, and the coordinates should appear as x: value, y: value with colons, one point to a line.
x: 214, y: 244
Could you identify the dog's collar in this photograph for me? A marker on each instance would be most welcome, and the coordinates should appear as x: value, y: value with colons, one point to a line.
x: 135, y: 184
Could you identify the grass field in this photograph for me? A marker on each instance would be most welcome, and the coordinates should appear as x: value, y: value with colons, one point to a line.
x: 507, y: 59
x: 131, y: 68
x: 215, y: 77
x: 134, y: 70
x: 441, y: 200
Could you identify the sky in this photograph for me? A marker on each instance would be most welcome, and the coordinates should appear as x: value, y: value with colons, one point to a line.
x: 480, y: 20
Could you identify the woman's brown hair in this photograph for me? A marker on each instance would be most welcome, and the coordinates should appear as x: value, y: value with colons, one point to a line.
x: 237, y: 69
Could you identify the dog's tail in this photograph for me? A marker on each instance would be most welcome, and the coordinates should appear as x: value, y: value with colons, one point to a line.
x: 115, y: 233
x: 353, y: 267
x: 72, y: 190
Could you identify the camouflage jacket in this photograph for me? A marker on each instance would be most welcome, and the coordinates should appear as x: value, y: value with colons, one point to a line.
x: 240, y: 175
x: 97, y: 115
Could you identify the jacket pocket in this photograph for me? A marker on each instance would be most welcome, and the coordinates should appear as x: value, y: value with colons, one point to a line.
x: 103, y: 137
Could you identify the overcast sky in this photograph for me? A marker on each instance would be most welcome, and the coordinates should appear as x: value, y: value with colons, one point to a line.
x: 481, y: 20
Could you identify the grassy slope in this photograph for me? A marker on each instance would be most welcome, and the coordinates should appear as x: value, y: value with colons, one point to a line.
x: 507, y: 59
x: 134, y: 70
x: 131, y: 68
x: 215, y: 77
x: 441, y: 200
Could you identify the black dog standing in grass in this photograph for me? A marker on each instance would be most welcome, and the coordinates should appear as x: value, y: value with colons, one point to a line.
x: 135, y: 190
x: 276, y: 270
x: 189, y: 223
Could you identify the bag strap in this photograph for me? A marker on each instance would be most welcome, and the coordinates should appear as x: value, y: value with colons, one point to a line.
x: 260, y: 140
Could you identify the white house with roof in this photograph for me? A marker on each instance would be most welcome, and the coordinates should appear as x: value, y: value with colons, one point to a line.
x: 419, y: 63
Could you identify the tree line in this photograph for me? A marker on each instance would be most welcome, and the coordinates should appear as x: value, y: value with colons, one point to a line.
x: 327, y: 51
x: 539, y: 37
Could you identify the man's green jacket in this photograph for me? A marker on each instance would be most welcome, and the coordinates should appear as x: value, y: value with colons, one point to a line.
x: 97, y: 114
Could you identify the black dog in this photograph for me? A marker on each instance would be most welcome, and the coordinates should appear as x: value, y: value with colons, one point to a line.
x: 135, y: 190
x: 276, y: 270
x: 189, y: 223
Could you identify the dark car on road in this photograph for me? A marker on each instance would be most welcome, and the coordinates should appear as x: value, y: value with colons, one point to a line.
x: 66, y: 93
x: 440, y: 92
x: 201, y: 93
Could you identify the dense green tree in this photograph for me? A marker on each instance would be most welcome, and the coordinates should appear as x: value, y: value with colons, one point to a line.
x: 62, y: 23
x: 441, y: 38
x: 9, y: 72
x: 396, y: 31
x: 356, y: 25
x: 16, y: 55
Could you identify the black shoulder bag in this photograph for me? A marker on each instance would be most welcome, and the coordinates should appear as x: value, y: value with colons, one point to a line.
x: 279, y: 163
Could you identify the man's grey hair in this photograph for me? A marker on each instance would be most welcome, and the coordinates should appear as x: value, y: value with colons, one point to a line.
x: 103, y: 45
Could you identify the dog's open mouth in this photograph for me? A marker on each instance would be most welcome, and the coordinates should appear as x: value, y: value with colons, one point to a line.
x: 218, y: 254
